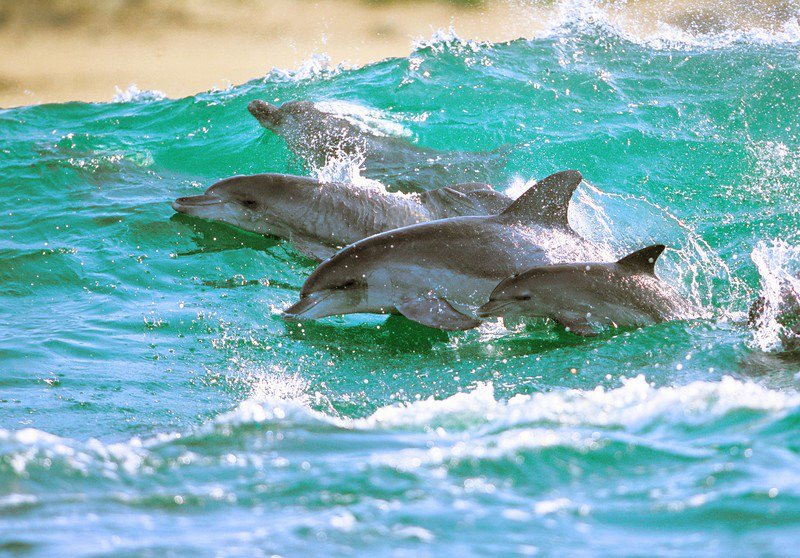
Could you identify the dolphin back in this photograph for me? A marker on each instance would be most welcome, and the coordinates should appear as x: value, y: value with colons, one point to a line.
x: 464, y: 199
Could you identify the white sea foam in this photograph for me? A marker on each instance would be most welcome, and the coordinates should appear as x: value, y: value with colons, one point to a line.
x: 316, y: 66
x: 476, y: 424
x: 22, y: 448
x: 367, y: 119
x: 346, y: 168
x: 135, y: 95
x: 275, y: 395
x: 659, y: 29
x: 666, y: 27
x: 447, y: 39
x: 633, y: 405
x: 501, y: 429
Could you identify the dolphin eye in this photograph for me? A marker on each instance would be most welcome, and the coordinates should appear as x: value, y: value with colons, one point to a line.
x: 250, y: 204
x: 346, y: 285
x: 522, y: 297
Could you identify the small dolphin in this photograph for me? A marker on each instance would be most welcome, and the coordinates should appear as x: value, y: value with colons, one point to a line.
x: 437, y: 273
x: 316, y: 136
x: 584, y: 297
x: 320, y: 218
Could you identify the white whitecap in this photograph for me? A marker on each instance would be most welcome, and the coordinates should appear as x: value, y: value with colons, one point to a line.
x: 135, y: 95
x: 367, y: 119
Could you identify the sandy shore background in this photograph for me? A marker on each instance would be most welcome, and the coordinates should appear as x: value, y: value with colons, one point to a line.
x: 58, y: 51
x: 62, y: 50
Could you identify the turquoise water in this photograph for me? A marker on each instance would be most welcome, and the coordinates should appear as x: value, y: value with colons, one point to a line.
x: 154, y: 402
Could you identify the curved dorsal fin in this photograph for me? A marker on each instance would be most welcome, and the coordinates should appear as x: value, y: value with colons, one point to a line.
x: 642, y: 261
x: 546, y: 202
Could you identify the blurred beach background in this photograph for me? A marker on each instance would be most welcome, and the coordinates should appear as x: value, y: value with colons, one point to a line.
x: 64, y: 50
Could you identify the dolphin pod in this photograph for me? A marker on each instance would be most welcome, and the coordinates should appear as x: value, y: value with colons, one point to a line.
x: 320, y: 218
x: 448, y: 257
x: 316, y: 136
x: 438, y: 273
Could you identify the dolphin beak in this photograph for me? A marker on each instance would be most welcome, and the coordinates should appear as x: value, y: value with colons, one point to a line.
x: 493, y: 308
x: 192, y: 204
x: 304, y: 309
x: 264, y: 112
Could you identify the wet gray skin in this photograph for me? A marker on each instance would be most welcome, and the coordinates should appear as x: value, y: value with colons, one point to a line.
x: 320, y: 218
x: 589, y: 296
x: 315, y: 137
x: 437, y: 273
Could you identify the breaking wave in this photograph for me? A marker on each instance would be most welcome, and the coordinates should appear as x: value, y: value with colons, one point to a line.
x: 474, y: 421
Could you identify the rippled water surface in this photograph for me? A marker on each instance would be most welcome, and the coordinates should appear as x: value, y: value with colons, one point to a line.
x: 153, y: 401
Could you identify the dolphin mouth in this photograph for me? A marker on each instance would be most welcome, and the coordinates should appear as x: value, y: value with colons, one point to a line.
x: 186, y: 204
x: 493, y: 308
x: 264, y: 112
x: 304, y: 308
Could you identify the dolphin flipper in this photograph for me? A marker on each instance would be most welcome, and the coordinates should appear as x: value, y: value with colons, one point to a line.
x: 437, y: 313
x: 313, y: 250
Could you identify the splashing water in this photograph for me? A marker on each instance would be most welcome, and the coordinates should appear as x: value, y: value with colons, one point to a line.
x: 776, y: 325
x: 134, y: 94
x: 367, y: 119
x: 346, y: 168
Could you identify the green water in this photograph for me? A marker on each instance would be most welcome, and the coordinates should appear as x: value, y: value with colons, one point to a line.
x: 153, y: 401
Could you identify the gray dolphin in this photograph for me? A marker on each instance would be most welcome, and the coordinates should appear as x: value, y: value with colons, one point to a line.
x: 437, y: 273
x: 316, y: 136
x: 584, y: 297
x: 320, y: 218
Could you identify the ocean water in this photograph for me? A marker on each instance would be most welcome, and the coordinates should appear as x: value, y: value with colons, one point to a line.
x: 153, y: 402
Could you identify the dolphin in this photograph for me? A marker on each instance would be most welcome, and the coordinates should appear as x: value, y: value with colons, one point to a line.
x: 585, y: 297
x: 320, y: 218
x: 437, y: 273
x: 316, y: 137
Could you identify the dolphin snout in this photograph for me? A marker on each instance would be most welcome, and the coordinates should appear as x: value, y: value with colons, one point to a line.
x: 264, y: 112
x: 493, y: 308
x: 190, y: 203
x: 306, y: 307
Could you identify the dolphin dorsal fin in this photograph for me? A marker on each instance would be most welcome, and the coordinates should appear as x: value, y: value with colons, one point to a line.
x: 644, y: 260
x: 546, y: 202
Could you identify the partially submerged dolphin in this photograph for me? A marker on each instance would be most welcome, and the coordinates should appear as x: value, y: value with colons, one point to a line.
x: 437, y: 273
x: 316, y: 136
x: 585, y: 297
x: 320, y: 218
x: 782, y: 308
